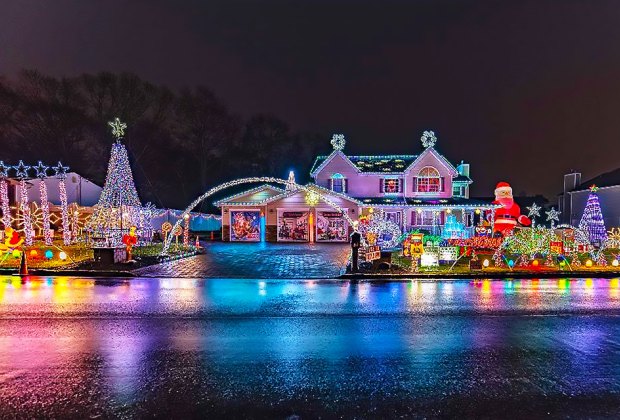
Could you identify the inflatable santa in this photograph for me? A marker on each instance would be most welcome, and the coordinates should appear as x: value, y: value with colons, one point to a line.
x: 507, y: 217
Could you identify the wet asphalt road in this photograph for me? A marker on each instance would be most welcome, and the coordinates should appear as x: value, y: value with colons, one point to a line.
x: 248, y: 348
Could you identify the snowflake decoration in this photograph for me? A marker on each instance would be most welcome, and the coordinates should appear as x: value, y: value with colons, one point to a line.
x: 4, y: 170
x: 613, y: 238
x: 21, y: 170
x: 41, y: 170
x: 118, y: 128
x: 61, y: 171
x: 428, y: 139
x: 533, y: 210
x: 338, y: 141
x: 553, y: 216
x: 312, y: 198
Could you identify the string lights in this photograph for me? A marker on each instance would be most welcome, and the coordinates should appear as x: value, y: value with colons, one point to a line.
x: 4, y: 194
x: 41, y: 172
x: 61, y: 174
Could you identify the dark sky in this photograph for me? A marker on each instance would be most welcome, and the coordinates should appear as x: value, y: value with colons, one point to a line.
x: 523, y: 90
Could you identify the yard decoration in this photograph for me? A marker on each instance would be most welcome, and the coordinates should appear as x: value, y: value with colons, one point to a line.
x: 130, y: 240
x: 509, y: 215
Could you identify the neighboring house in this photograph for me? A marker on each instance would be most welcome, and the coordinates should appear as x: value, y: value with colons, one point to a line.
x: 79, y: 190
x: 572, y: 200
x: 415, y: 191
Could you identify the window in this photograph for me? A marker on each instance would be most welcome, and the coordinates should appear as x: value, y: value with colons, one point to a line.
x: 428, y: 180
x: 391, y: 186
x: 458, y: 190
x: 338, y: 183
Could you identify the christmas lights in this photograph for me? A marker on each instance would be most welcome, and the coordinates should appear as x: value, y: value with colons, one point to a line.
x: 533, y: 212
x: 119, y: 207
x: 428, y: 139
x: 324, y: 197
x: 338, y: 141
x: 4, y: 195
x: 22, y: 173
x: 592, y: 219
x: 553, y: 216
x: 41, y: 171
x: 61, y: 174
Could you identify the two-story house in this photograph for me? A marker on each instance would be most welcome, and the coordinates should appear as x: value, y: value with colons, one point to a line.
x: 415, y: 191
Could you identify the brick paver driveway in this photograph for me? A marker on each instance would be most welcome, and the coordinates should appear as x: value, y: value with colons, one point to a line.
x: 256, y: 260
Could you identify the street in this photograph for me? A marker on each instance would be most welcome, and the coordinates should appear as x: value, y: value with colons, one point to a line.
x: 75, y: 347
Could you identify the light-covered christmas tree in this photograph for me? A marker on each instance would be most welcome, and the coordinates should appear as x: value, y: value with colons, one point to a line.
x: 592, y: 219
x: 119, y: 206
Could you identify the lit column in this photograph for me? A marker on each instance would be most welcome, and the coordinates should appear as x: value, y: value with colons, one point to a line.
x: 311, y: 226
x: 186, y: 231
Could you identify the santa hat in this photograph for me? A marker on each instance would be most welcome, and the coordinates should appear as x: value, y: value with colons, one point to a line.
x: 503, y: 187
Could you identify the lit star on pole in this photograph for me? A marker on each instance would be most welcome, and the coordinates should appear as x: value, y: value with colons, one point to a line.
x: 428, y: 139
x: 553, y: 216
x: 21, y: 170
x: 593, y: 188
x: 41, y: 170
x: 533, y: 210
x: 4, y: 170
x: 118, y: 128
x: 338, y: 141
x: 60, y: 171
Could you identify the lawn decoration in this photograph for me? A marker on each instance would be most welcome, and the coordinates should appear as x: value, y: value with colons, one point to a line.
x: 130, y: 240
x: 509, y: 215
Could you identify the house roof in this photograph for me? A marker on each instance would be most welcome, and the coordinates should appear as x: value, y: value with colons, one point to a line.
x: 454, y: 202
x: 462, y: 178
x: 256, y: 198
x: 373, y: 164
x: 608, y: 179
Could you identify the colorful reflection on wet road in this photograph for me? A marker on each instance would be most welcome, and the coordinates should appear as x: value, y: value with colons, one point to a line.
x: 183, y: 347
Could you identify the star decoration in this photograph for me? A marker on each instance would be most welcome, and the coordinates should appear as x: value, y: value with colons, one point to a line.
x: 338, y: 141
x: 41, y: 170
x: 593, y: 188
x: 118, y: 128
x: 4, y: 170
x: 553, y: 216
x: 428, y: 139
x: 60, y: 171
x: 533, y: 210
x: 312, y: 198
x: 21, y: 170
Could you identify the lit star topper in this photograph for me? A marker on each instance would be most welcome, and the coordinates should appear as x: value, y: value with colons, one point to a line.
x: 533, y: 210
x: 428, y: 139
x: 4, y: 170
x: 338, y: 141
x: 553, y: 216
x: 21, y: 170
x: 60, y: 171
x: 118, y: 128
x: 41, y: 170
x: 593, y: 188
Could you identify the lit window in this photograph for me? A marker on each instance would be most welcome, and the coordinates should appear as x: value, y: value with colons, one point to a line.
x: 338, y: 183
x: 428, y: 180
x: 391, y: 186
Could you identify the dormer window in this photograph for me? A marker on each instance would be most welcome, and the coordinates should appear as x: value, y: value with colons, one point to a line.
x: 428, y: 181
x: 338, y: 183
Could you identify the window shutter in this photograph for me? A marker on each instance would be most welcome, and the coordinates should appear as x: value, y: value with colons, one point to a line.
x: 443, y: 183
x: 414, y: 184
x: 345, y: 185
x: 414, y: 220
x: 380, y: 185
x: 400, y: 185
x: 331, y: 184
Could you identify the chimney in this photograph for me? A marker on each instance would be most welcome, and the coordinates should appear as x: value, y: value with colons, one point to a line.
x: 571, y: 181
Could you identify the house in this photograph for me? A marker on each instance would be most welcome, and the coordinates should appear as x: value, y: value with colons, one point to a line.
x: 423, y: 192
x: 269, y: 213
x: 572, y: 201
x: 79, y: 190
x: 414, y: 191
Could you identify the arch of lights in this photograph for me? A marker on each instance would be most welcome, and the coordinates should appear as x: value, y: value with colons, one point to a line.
x: 252, y: 180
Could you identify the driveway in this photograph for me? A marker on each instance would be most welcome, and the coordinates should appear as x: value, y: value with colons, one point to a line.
x: 256, y: 260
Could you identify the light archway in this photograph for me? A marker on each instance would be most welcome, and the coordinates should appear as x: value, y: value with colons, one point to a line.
x: 289, y: 184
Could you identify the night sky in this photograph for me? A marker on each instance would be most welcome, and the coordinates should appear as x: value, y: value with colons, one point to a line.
x: 523, y: 90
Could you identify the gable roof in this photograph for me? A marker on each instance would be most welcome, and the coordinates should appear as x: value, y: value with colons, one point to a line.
x: 438, y: 156
x: 254, y: 195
